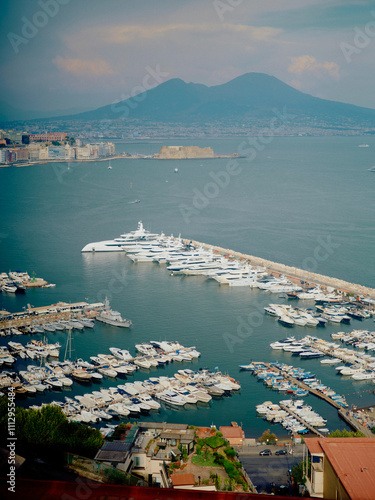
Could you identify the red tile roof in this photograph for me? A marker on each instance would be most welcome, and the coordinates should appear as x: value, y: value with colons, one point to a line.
x: 313, y: 445
x: 183, y: 479
x: 353, y: 460
x: 232, y: 432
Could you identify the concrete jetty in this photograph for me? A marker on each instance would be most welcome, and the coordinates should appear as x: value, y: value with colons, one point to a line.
x: 347, y: 416
x: 293, y: 273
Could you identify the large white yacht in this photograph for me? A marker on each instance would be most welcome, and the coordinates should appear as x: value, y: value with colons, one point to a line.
x: 116, y: 245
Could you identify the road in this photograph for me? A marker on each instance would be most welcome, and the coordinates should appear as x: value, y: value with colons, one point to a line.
x: 265, y: 470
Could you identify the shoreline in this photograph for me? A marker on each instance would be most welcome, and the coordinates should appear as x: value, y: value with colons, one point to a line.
x: 292, y: 273
x: 116, y: 157
x: 44, y: 162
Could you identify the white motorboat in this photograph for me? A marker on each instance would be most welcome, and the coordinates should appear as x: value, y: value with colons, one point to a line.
x: 171, y: 397
x: 142, y: 362
x: 154, y: 405
x: 286, y: 320
x: 122, y: 354
x: 107, y: 371
x: 330, y: 361
x: 201, y: 394
x: 55, y: 382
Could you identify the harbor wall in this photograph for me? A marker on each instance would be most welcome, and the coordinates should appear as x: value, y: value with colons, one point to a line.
x: 293, y: 273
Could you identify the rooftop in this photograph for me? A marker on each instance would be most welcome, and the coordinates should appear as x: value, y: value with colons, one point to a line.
x: 232, y: 432
x: 113, y: 451
x: 161, y: 425
x: 353, y: 460
x: 183, y: 479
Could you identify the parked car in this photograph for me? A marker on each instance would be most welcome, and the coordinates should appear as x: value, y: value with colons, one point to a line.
x: 265, y: 452
x: 281, y: 452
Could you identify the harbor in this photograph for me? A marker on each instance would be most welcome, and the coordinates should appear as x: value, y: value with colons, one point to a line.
x: 300, y: 276
x: 39, y: 316
x: 155, y: 301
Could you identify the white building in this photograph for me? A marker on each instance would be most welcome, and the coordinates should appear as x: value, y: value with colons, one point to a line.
x: 83, y: 153
x: 3, y: 155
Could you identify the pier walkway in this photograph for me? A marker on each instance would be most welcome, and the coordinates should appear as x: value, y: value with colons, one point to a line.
x: 346, y: 415
x: 301, y: 420
x: 303, y: 386
x: 292, y: 273
x: 343, y: 413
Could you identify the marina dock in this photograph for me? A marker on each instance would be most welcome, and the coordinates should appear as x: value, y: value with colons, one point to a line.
x: 292, y: 273
x: 302, y: 385
x: 47, y: 314
x: 345, y: 414
x: 303, y: 422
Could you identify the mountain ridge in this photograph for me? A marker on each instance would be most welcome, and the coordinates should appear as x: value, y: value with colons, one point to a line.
x: 248, y: 96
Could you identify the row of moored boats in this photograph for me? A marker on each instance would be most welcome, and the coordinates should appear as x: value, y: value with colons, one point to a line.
x: 138, y: 398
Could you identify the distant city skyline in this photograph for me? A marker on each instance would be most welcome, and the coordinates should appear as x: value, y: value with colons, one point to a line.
x: 69, y: 56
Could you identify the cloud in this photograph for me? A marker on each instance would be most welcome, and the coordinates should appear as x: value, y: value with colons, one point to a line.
x: 133, y: 33
x: 95, y: 67
x: 306, y: 63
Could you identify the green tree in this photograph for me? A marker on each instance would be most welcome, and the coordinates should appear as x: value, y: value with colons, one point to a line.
x: 46, y: 433
x: 230, y: 452
x: 269, y: 437
x: 217, y: 482
x: 297, y: 473
x: 345, y: 434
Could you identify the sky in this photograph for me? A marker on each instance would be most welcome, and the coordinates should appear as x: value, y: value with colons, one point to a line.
x: 83, y: 54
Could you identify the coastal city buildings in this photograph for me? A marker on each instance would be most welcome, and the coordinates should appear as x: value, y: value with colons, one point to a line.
x: 22, y: 148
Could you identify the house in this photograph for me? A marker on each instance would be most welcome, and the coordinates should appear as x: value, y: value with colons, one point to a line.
x: 341, y: 468
x: 157, y: 445
x: 233, y: 434
x: 117, y: 454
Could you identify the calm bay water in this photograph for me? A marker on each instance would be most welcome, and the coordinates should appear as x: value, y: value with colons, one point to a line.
x: 306, y: 202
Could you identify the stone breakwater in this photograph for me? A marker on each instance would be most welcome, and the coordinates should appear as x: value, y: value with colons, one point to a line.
x: 293, y: 273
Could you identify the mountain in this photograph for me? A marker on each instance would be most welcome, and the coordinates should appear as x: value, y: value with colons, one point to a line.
x: 9, y: 113
x: 252, y: 95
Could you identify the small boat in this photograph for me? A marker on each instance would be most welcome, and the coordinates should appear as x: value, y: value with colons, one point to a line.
x: 121, y: 354
x: 134, y: 201
x: 247, y: 367
x: 81, y: 375
x: 286, y: 320
x: 176, y: 170
x: 109, y: 165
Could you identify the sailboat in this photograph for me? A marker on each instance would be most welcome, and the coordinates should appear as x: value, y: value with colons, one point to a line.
x: 78, y: 373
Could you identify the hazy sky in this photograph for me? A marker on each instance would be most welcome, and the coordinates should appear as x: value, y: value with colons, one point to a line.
x: 88, y: 53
